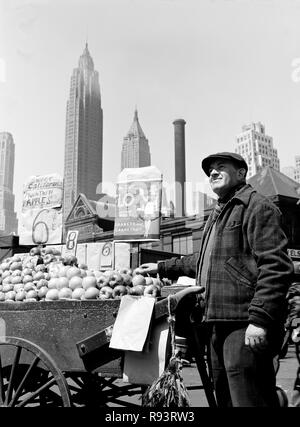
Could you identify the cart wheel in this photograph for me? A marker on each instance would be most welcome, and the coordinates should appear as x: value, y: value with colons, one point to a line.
x: 29, y: 376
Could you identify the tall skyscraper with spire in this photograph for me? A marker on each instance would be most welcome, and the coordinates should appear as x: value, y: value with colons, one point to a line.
x: 135, y: 149
x: 8, y: 216
x: 84, y: 134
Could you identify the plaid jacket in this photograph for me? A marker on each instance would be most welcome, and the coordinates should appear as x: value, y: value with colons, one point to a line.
x: 250, y: 271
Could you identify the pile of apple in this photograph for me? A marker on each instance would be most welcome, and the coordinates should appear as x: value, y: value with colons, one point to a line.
x: 44, y: 274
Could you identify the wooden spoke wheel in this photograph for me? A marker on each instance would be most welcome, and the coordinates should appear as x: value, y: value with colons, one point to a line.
x: 88, y: 389
x: 29, y: 376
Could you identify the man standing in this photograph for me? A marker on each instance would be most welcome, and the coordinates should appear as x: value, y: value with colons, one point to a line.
x: 244, y: 267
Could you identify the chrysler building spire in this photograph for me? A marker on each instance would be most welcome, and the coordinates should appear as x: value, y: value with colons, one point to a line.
x: 135, y: 149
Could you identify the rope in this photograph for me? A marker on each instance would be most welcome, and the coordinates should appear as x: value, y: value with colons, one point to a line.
x: 171, y: 321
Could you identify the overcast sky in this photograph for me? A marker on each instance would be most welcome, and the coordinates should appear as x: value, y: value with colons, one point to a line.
x: 218, y: 64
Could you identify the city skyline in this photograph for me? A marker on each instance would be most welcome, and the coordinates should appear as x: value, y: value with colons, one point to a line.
x: 216, y: 64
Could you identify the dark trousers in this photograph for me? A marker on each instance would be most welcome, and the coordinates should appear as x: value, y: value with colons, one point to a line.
x: 241, y: 377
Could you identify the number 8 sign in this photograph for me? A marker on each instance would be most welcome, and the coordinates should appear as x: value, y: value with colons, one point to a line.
x: 71, y: 241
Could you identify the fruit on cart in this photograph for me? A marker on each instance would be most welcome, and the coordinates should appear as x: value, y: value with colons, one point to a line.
x: 7, y: 287
x: 38, y: 276
x: 62, y: 282
x: 40, y: 267
x: 102, y: 281
x: 42, y: 291
x: 15, y: 280
x: 75, y: 282
x: 47, y: 250
x: 65, y: 293
x: 16, y: 273
x: 82, y: 266
x: 137, y: 290
x: 78, y: 293
x: 44, y: 275
x: 138, y: 279
x: 88, y: 272
x: 48, y: 258
x: 119, y: 291
x: 35, y: 251
x: 89, y: 282
x: 42, y: 283
x: 27, y: 279
x: 16, y: 265
x: 125, y: 270
x: 127, y: 279
x: 18, y: 287
x: 5, y: 266
x: 32, y: 293
x: 29, y: 286
x: 52, y: 283
x: 91, y: 293
x: 83, y: 273
x: 73, y: 271
x: 52, y: 295
x: 152, y: 290
x: 105, y: 292
x: 11, y: 295
x: 115, y: 279
x: 20, y: 295
x: 70, y: 260
x: 7, y: 280
x: 62, y: 272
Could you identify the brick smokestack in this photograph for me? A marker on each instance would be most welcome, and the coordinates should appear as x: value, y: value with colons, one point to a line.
x: 179, y: 140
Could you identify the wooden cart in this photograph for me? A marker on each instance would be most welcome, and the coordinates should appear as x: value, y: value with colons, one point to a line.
x: 56, y: 353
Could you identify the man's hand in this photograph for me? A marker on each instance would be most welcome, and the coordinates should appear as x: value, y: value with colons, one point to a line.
x: 256, y: 337
x: 148, y: 268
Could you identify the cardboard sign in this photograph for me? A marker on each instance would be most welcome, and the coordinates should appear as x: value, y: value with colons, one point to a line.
x: 41, y: 217
x: 138, y: 209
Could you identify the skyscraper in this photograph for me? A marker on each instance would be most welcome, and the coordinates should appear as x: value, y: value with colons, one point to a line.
x: 293, y: 171
x: 135, y: 149
x: 257, y: 148
x: 8, y: 216
x: 84, y: 134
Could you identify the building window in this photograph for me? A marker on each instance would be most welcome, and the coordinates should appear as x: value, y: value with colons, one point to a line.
x: 183, y: 244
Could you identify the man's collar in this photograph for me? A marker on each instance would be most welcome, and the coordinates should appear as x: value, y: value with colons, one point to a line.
x: 241, y: 192
x: 244, y: 193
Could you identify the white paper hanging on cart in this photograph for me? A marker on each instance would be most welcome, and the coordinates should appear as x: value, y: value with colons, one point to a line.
x: 145, y: 367
x: 132, y: 323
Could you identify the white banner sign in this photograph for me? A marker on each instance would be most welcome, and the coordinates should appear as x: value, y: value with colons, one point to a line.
x: 41, y: 218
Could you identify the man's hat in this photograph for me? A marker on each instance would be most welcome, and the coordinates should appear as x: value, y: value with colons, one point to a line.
x: 233, y: 157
